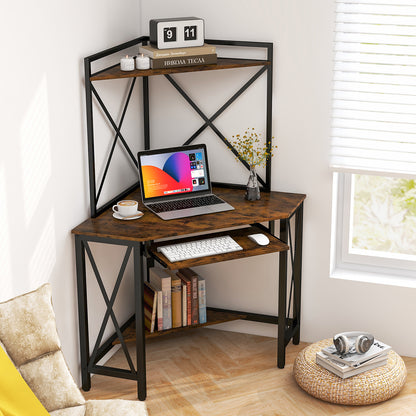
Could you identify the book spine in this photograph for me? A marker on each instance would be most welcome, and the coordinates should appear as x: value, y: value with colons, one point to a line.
x: 156, y: 281
x: 176, y: 302
x: 188, y: 303
x: 147, y: 307
x: 147, y: 318
x: 184, y: 305
x: 194, y: 301
x: 202, y: 301
x: 152, y: 326
x: 177, y: 52
x: 159, y: 312
x: 167, y: 302
x: 187, y: 282
x: 149, y: 297
x: 183, y: 61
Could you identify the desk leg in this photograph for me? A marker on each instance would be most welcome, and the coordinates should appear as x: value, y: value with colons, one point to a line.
x: 297, y: 273
x: 82, y: 312
x: 281, y: 331
x: 140, y: 336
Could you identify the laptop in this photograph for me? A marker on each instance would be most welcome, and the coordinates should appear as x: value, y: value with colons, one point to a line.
x: 175, y: 182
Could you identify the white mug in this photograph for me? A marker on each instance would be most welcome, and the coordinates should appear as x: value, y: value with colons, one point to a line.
x: 126, y: 207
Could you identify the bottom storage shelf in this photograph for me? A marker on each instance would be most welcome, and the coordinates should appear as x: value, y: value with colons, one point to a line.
x: 213, y: 317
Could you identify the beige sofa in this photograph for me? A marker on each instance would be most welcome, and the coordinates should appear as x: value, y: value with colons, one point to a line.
x: 29, y: 336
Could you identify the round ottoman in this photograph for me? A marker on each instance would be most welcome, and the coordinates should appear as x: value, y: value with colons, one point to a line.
x: 370, y: 387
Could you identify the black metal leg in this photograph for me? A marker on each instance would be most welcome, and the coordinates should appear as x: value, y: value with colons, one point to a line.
x: 281, y: 331
x: 146, y: 119
x: 297, y: 273
x: 82, y: 312
x: 140, y: 336
x: 150, y: 262
x: 272, y: 227
x: 269, y: 114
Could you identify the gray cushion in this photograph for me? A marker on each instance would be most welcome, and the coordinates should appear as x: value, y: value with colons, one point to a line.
x: 28, y: 332
x: 27, y: 326
x: 50, y: 380
x: 70, y: 411
x: 115, y: 407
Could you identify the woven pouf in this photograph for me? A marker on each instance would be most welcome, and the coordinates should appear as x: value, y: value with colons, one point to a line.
x: 370, y: 387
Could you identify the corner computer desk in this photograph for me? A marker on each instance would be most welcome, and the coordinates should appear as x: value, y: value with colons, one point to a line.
x: 140, y: 239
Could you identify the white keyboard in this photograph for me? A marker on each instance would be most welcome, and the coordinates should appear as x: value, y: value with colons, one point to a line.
x: 199, y: 248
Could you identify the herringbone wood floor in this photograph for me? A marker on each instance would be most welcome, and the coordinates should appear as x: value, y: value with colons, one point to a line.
x: 218, y: 373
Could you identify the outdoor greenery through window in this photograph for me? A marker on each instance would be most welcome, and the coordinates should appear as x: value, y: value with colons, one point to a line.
x: 383, y: 216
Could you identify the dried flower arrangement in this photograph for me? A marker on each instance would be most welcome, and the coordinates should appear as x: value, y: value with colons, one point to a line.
x: 252, y: 148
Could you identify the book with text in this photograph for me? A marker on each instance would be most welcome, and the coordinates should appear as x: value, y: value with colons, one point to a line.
x: 176, y: 300
x: 184, y: 304
x: 161, y: 278
x: 187, y: 283
x: 183, y: 61
x: 150, y: 306
x: 193, y: 277
x: 344, y: 370
x: 159, y: 306
x: 155, y: 53
x: 202, y: 301
x: 355, y: 360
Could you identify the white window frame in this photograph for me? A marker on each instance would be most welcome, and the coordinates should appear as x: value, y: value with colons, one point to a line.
x: 362, y: 265
x: 373, y: 130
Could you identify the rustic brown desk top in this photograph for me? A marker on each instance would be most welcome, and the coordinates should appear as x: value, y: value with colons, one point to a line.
x: 271, y: 206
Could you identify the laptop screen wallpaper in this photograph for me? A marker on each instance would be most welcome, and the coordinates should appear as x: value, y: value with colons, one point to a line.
x: 169, y: 174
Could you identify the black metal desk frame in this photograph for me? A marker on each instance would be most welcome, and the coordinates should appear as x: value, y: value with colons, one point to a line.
x: 288, y: 321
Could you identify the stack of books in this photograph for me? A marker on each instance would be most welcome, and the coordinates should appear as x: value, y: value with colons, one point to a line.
x: 176, y: 57
x: 351, y: 364
x: 174, y: 298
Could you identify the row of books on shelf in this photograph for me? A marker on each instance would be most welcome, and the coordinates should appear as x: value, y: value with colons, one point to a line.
x: 174, y: 298
x: 176, y: 57
x: 352, y: 364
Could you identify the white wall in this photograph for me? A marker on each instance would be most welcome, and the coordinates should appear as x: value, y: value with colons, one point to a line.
x: 43, y: 162
x: 302, y: 32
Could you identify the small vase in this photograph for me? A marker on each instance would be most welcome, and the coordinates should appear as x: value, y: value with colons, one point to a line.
x: 253, y: 189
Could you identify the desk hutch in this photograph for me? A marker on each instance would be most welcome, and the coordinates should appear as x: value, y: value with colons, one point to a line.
x: 141, y: 237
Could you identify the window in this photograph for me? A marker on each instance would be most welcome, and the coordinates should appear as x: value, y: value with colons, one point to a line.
x: 373, y: 143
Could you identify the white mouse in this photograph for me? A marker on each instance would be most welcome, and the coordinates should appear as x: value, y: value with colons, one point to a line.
x: 260, y: 239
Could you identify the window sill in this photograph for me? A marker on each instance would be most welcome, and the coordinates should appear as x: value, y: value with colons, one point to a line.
x: 391, y: 278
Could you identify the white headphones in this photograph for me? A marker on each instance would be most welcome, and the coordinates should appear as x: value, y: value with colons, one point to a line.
x: 356, y: 341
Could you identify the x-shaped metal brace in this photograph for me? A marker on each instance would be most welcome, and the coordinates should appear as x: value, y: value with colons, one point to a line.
x: 109, y: 312
x: 208, y: 122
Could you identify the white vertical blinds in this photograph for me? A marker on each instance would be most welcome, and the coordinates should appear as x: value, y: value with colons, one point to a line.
x: 374, y: 98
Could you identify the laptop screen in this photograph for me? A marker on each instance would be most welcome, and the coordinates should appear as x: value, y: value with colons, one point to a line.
x: 172, y: 172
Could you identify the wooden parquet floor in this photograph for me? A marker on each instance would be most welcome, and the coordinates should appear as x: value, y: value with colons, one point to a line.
x: 209, y: 372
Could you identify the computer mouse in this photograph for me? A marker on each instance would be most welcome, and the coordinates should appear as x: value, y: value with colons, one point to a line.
x: 260, y: 239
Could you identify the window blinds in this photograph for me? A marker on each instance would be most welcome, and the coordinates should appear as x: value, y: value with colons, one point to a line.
x: 374, y: 97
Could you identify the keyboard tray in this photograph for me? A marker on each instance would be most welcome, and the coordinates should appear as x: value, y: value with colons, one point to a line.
x: 240, y: 235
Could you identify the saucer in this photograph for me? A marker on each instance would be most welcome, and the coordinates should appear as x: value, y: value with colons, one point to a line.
x: 130, y: 217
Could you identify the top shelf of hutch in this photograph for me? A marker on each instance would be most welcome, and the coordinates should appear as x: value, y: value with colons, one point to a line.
x: 115, y: 72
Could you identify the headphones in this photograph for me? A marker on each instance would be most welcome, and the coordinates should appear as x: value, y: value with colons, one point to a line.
x: 356, y: 341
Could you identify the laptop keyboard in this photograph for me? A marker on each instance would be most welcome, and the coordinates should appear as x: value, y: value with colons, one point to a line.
x: 185, y: 203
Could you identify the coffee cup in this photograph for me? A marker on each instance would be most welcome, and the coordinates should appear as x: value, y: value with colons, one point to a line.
x: 126, y: 207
